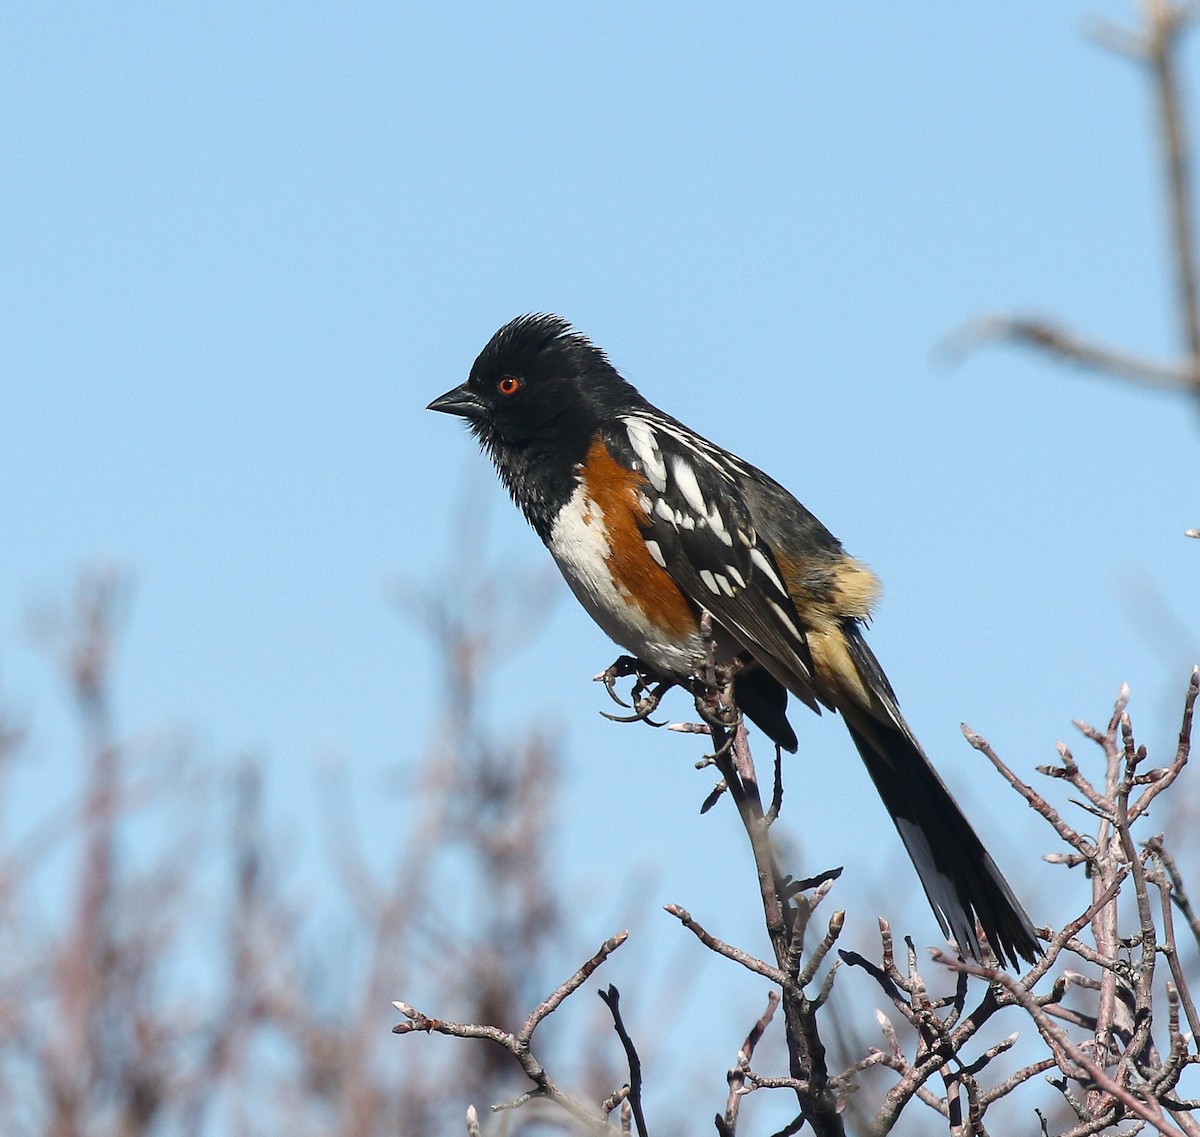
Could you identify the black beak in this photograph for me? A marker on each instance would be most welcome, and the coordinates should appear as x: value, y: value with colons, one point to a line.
x: 460, y: 401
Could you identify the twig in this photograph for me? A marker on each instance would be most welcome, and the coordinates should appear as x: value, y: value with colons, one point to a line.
x: 1170, y: 949
x: 1067, y: 347
x: 1035, y: 800
x: 1156, y: 48
x: 1073, y: 1062
x: 1163, y: 778
x: 518, y: 1045
x: 1167, y: 22
x: 612, y: 1000
x: 1179, y: 896
x: 552, y: 1003
x: 748, y: 961
x: 836, y: 923
x: 727, y: 1125
x: 1003, y: 1089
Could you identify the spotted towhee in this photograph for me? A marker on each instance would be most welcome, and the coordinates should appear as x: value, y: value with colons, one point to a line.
x: 653, y: 525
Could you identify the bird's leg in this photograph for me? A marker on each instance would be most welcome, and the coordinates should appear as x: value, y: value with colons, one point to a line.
x: 713, y: 687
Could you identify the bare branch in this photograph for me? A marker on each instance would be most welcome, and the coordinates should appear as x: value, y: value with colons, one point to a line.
x: 1167, y: 21
x: 1035, y: 800
x: 612, y: 1000
x: 544, y: 1086
x: 1070, y: 1058
x: 727, y: 1125
x: 1156, y: 47
x: 1067, y: 347
x: 748, y: 961
x: 836, y: 923
x: 554, y: 1000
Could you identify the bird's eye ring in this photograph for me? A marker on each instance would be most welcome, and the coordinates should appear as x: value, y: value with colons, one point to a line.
x: 509, y: 385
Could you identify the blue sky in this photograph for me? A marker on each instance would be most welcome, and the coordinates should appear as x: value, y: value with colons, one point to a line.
x: 244, y: 246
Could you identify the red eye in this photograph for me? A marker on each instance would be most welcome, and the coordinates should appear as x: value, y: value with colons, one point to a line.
x: 509, y: 385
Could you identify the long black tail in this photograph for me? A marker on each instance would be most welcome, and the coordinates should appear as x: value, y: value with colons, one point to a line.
x: 960, y: 878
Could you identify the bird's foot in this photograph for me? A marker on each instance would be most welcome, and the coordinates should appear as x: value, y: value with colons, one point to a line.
x: 620, y: 668
x: 715, y: 706
x: 648, y: 689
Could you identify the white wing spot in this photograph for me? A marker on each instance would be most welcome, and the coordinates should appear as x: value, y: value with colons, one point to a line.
x: 765, y: 567
x: 710, y: 582
x: 645, y: 445
x: 717, y: 524
x: 725, y: 585
x: 664, y: 510
x: 785, y: 618
x: 702, y: 448
x: 685, y: 479
x: 653, y: 549
x: 738, y: 579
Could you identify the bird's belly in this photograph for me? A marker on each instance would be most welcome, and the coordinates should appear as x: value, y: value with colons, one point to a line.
x: 583, y: 549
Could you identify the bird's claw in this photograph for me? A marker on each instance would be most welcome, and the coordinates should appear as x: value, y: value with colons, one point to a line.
x: 644, y: 705
x: 713, y: 709
x: 647, y: 692
x: 620, y: 668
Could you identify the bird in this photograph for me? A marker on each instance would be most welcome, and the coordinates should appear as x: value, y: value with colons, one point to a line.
x: 653, y: 526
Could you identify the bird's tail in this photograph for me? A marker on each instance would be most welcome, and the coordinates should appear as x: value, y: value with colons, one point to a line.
x: 960, y: 879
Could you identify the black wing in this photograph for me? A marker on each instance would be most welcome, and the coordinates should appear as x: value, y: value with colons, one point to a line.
x: 700, y: 529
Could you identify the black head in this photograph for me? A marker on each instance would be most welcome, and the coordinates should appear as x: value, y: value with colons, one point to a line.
x: 537, y: 377
x: 535, y: 398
